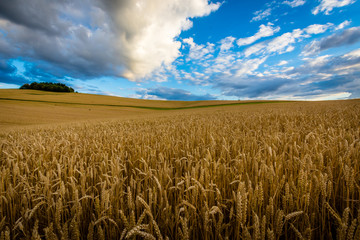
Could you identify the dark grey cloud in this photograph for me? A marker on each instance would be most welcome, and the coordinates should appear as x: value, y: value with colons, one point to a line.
x: 59, y: 37
x: 331, y: 75
x: 343, y: 65
x: 64, y: 38
x: 334, y: 85
x: 173, y: 94
x: 252, y: 87
x: 346, y: 37
x: 39, y: 15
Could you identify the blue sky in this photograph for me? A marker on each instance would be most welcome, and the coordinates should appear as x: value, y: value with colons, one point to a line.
x: 185, y: 50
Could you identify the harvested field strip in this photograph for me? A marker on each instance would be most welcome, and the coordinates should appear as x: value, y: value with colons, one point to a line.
x: 144, y: 107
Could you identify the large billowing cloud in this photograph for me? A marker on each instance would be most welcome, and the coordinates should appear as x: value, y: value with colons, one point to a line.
x: 146, y: 30
x: 97, y: 37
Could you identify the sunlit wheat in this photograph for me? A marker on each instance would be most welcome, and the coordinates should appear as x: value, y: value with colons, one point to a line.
x: 280, y: 171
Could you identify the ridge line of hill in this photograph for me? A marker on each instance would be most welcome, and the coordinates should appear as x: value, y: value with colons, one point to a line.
x: 144, y: 107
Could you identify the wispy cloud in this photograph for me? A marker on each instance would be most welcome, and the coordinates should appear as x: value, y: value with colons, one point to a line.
x: 198, y: 51
x: 318, y: 28
x: 282, y: 63
x: 261, y: 14
x: 247, y: 67
x: 285, y: 42
x: 264, y: 31
x: 327, y: 6
x: 295, y: 3
x: 227, y: 43
x: 343, y: 25
x: 271, y: 7
x: 279, y: 45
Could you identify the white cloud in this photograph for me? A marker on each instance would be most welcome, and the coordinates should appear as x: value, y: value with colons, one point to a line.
x: 295, y: 3
x: 311, y: 49
x: 227, y: 43
x: 284, y: 43
x: 318, y: 28
x: 282, y: 63
x: 334, y: 96
x: 318, y: 61
x: 257, y: 48
x: 353, y: 54
x: 146, y: 30
x: 248, y: 67
x: 199, y: 52
x: 222, y: 63
x: 261, y: 14
x: 264, y: 31
x: 287, y: 69
x: 327, y: 6
x: 348, y: 69
x: 343, y: 25
x: 316, y: 97
x: 189, y: 41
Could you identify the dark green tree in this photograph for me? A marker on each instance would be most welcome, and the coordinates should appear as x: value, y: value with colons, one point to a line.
x: 48, y: 86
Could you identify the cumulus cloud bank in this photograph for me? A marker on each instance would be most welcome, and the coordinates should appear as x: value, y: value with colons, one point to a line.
x: 97, y: 37
x: 146, y: 30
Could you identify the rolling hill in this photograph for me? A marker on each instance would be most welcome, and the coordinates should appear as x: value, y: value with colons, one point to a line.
x: 29, y: 107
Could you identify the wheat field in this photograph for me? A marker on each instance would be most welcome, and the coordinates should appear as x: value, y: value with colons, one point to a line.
x: 271, y: 171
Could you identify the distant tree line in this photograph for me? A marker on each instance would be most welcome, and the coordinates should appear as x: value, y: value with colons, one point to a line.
x: 48, y: 86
